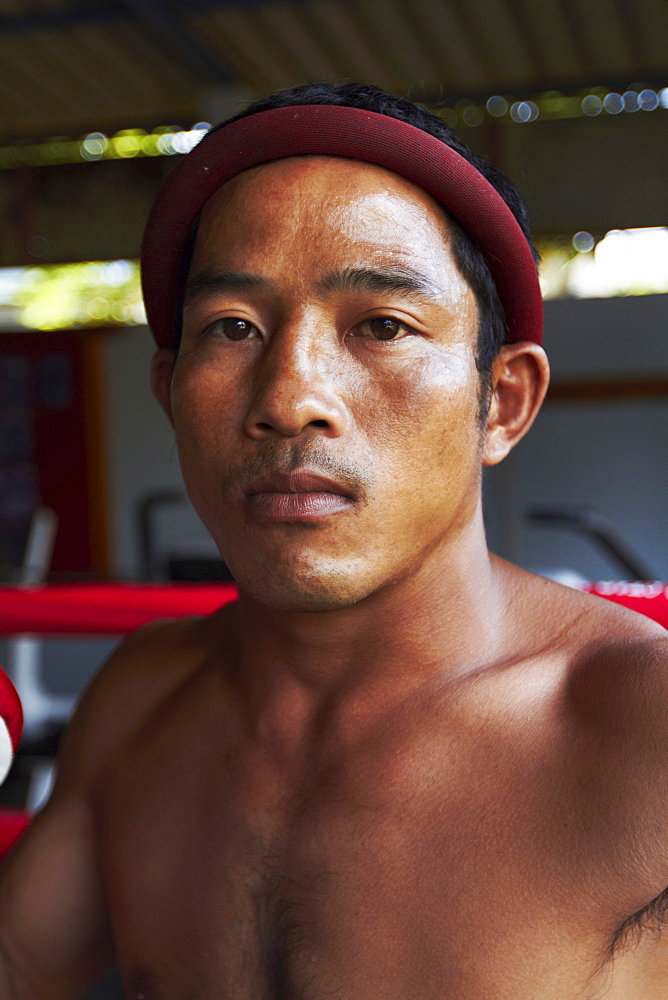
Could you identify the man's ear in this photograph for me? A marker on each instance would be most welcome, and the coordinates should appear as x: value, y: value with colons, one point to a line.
x: 520, y: 377
x: 162, y: 369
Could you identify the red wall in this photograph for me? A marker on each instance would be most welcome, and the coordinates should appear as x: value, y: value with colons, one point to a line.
x: 43, y: 442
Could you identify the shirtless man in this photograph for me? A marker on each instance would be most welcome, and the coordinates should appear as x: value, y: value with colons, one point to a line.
x: 398, y: 768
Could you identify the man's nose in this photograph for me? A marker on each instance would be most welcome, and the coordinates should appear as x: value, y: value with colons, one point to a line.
x: 297, y: 388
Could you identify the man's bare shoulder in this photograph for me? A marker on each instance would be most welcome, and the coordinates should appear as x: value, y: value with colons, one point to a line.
x: 618, y: 666
x: 548, y: 612
x: 611, y: 721
x: 138, y: 678
x: 615, y: 661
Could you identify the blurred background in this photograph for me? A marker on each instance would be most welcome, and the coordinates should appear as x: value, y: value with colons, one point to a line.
x: 98, y: 101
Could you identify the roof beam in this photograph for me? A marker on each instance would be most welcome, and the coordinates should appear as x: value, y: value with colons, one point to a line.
x: 103, y: 11
x: 165, y: 18
x: 61, y: 18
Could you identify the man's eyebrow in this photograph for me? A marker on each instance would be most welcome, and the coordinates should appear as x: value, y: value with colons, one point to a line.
x: 372, y: 280
x: 406, y: 281
x: 210, y: 282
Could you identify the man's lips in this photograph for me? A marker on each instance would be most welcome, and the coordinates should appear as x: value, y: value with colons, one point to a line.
x: 300, y: 495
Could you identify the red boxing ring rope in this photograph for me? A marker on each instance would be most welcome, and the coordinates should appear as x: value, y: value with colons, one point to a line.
x: 104, y: 609
x: 649, y: 599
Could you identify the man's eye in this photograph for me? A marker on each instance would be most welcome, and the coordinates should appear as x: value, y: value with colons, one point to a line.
x: 384, y: 328
x: 231, y: 328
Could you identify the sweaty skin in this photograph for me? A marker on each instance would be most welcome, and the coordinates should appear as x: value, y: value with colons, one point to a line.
x: 398, y: 767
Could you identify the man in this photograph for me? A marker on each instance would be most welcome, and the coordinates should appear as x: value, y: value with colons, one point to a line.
x: 398, y: 767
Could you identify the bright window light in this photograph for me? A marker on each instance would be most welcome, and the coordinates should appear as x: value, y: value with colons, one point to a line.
x: 624, y: 262
x: 68, y: 296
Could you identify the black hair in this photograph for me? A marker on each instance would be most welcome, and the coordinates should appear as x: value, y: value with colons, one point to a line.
x: 470, y: 261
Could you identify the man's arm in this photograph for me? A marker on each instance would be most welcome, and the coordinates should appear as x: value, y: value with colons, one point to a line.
x: 54, y: 936
x: 620, y: 696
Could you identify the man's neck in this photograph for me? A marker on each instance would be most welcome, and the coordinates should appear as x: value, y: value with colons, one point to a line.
x: 446, y: 619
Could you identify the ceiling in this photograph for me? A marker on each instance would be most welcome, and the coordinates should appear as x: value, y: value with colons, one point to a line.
x: 72, y: 66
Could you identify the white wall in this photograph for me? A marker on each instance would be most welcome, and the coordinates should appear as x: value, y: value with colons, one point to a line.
x: 610, y: 455
x: 142, y: 457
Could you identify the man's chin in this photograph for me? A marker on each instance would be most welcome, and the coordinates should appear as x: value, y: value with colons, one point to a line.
x: 323, y: 591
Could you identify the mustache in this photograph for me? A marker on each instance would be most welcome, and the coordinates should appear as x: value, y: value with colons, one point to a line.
x: 276, y: 457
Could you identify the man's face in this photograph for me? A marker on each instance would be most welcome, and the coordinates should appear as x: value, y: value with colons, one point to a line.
x: 325, y: 394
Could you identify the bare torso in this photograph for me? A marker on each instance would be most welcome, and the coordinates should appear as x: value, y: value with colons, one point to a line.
x: 467, y: 842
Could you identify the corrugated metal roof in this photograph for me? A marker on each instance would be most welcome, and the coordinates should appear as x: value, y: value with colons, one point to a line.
x: 72, y: 65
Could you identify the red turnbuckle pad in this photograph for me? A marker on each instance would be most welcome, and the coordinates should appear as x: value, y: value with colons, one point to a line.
x: 11, y: 723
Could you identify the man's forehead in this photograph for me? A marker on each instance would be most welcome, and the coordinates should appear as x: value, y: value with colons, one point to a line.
x: 322, y: 179
x: 329, y: 224
x: 326, y: 169
x: 297, y: 189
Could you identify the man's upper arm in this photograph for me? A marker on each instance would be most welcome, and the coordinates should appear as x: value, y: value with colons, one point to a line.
x: 54, y: 932
x: 54, y: 936
x: 625, y: 704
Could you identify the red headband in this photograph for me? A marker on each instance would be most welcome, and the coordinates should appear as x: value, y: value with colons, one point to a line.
x: 334, y: 130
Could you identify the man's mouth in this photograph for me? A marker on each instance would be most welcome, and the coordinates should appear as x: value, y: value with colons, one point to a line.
x: 300, y: 495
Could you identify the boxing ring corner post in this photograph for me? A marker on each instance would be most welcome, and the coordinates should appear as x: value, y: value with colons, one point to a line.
x: 13, y: 824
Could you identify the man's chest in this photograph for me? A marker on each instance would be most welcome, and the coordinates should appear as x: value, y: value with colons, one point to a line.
x: 364, y: 881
